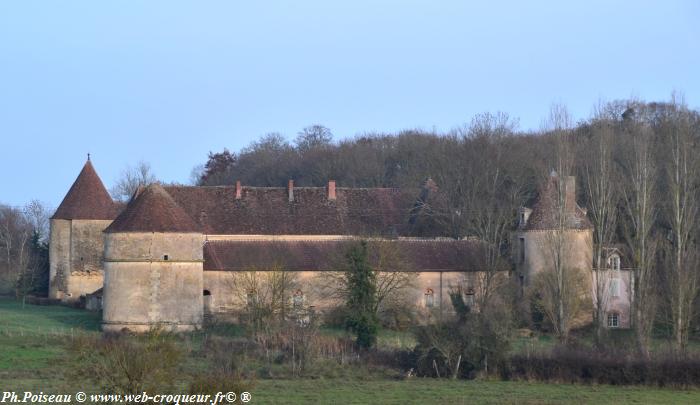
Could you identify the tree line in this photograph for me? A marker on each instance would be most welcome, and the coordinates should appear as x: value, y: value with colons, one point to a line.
x: 637, y: 170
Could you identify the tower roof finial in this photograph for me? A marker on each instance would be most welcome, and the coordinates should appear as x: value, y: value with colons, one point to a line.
x: 88, y: 156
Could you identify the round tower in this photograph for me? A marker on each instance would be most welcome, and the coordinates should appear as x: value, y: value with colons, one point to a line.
x: 555, y: 212
x: 76, y: 243
x: 153, y: 266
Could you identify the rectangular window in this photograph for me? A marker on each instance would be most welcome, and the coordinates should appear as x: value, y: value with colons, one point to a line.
x: 469, y: 300
x: 614, y: 262
x: 613, y: 320
x: 251, y: 298
x: 615, y: 287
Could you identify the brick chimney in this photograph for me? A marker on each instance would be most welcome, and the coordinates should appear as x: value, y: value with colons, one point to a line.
x: 331, y: 189
x: 238, y: 190
x: 290, y: 190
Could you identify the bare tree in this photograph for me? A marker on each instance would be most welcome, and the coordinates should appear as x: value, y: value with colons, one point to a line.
x: 639, y: 192
x: 560, y: 281
x: 131, y: 179
x: 314, y: 136
x: 493, y: 197
x: 15, y: 237
x: 38, y: 216
x: 393, y: 273
x: 683, y: 177
x: 601, y: 195
x: 267, y: 296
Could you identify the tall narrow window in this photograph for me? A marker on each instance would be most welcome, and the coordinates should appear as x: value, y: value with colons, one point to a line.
x: 429, y: 298
x: 522, y: 250
x: 614, y: 262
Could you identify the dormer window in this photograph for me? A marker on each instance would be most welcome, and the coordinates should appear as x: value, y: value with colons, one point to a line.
x: 614, y: 262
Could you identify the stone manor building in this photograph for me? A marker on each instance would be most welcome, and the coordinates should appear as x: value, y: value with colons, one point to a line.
x: 169, y: 255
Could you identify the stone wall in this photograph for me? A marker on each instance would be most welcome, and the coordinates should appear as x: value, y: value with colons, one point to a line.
x: 76, y: 251
x: 540, y: 247
x: 154, y: 246
x: 226, y: 293
x: 59, y: 257
x: 152, y: 280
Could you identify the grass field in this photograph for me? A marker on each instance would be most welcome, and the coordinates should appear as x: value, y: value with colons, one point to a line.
x: 33, y: 357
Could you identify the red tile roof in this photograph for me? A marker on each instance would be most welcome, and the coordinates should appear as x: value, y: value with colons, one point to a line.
x: 409, y: 254
x: 87, y: 198
x: 545, y: 212
x: 268, y: 211
x: 153, y: 210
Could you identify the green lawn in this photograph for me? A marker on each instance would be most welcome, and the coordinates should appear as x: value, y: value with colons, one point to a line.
x: 33, y: 357
x: 432, y: 391
x: 31, y: 337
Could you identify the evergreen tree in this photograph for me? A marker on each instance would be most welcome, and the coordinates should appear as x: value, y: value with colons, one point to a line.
x: 362, y: 296
x: 35, y: 278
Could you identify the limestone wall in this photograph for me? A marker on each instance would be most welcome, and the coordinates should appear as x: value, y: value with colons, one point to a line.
x: 541, y: 245
x: 152, y: 280
x: 76, y: 249
x: 226, y: 291
x: 59, y: 257
x: 142, y: 295
x: 154, y: 246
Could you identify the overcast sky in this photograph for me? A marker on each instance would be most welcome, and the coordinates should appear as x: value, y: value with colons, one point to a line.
x: 168, y: 81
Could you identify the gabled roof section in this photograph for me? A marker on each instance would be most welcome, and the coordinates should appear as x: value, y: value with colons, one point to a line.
x: 268, y: 210
x: 546, y: 211
x: 153, y: 210
x: 297, y: 255
x: 87, y: 198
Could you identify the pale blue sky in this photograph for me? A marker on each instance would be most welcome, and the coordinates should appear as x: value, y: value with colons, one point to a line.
x: 168, y: 81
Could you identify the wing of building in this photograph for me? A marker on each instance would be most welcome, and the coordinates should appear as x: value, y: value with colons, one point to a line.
x: 174, y: 253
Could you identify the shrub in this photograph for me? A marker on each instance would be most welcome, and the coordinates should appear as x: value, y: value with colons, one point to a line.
x: 574, y: 365
x: 220, y: 381
x: 471, y: 342
x: 127, y: 364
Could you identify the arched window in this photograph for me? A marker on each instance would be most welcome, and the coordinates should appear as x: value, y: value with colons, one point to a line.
x: 206, y: 293
x: 613, y: 320
x: 429, y: 298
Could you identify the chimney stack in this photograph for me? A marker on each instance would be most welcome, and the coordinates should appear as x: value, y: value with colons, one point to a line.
x: 331, y: 189
x: 238, y: 190
x: 290, y: 190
